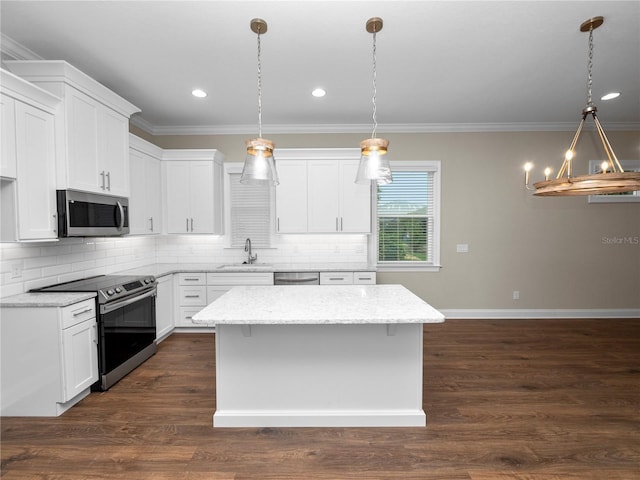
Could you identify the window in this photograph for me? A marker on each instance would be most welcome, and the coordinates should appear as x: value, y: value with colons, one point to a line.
x: 249, y: 212
x: 407, y: 216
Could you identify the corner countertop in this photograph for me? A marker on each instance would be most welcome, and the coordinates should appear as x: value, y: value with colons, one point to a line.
x: 45, y: 299
x: 311, y: 304
x: 55, y: 299
x: 161, y: 269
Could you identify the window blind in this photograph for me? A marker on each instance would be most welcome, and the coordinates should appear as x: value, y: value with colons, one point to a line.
x: 406, y: 217
x: 250, y: 213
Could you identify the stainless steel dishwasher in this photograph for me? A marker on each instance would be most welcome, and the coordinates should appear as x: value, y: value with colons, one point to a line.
x: 296, y: 278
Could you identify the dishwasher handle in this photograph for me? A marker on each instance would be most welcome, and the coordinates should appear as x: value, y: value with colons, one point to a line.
x: 296, y: 278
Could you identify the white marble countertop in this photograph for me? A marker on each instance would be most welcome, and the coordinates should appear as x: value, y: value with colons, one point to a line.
x: 45, y: 299
x: 322, y: 304
x: 160, y: 269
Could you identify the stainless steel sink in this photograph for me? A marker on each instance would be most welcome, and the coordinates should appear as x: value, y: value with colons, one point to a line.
x: 249, y: 267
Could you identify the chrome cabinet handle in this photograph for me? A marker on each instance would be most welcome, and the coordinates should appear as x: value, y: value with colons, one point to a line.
x: 151, y: 223
x: 192, y: 224
x: 192, y: 296
x: 77, y: 314
x: 187, y: 224
x: 108, y: 181
x: 341, y: 226
x: 102, y: 175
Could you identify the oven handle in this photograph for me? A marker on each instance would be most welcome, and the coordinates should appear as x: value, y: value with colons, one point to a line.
x: 110, y: 307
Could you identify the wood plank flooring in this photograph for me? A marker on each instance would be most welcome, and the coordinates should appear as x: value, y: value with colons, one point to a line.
x: 508, y: 399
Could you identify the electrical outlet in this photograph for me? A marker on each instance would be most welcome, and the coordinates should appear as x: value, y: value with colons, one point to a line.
x: 516, y: 295
x: 16, y: 270
x: 462, y: 248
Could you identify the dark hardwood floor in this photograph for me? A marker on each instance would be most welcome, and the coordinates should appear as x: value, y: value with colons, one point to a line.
x: 508, y: 399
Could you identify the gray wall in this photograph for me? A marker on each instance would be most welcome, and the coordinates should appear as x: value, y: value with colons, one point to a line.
x: 559, y: 253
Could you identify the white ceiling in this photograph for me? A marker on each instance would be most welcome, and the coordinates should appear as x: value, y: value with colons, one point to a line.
x: 441, y: 65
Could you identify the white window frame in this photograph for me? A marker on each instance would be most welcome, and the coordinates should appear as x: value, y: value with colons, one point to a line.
x: 236, y: 168
x: 433, y: 266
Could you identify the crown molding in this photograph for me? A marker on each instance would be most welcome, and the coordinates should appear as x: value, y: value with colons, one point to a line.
x: 16, y: 51
x: 365, y: 128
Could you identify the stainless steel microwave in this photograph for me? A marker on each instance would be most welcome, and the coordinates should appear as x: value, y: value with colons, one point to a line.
x: 83, y: 214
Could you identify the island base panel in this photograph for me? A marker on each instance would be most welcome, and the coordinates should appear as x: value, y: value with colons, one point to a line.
x: 319, y: 375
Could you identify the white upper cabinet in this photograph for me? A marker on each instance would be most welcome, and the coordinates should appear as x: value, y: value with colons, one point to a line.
x: 92, y: 127
x: 194, y: 191
x: 28, y: 189
x: 317, y: 193
x: 8, y: 137
x: 291, y: 197
x: 145, y: 199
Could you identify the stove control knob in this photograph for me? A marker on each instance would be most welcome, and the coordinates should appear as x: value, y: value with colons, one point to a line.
x: 118, y: 289
x: 110, y: 292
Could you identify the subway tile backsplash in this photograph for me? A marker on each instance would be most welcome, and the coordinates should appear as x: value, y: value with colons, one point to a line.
x: 24, y: 266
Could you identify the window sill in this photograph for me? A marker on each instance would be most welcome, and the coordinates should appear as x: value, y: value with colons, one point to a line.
x: 408, y: 268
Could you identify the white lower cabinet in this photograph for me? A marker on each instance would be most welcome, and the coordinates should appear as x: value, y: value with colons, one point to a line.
x: 49, y: 358
x: 192, y: 297
x: 197, y: 290
x: 164, y: 307
x: 347, y: 278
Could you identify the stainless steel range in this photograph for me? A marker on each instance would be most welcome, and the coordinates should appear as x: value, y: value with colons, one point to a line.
x: 126, y: 321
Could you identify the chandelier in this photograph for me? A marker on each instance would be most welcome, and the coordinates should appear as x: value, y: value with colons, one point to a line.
x: 612, y: 179
x: 260, y: 164
x: 374, y: 163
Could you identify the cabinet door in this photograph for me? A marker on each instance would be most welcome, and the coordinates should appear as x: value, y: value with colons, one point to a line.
x: 154, y: 195
x: 79, y: 358
x: 201, y: 187
x: 291, y: 197
x: 113, y: 154
x: 35, y: 173
x: 139, y: 223
x: 323, y: 196
x: 178, y: 197
x: 164, y: 306
x: 355, y: 201
x: 82, y: 143
x: 8, y: 137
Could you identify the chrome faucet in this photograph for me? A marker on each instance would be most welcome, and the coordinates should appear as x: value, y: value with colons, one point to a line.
x: 247, y: 248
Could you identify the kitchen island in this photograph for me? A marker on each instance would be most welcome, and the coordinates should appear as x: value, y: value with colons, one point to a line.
x: 319, y: 356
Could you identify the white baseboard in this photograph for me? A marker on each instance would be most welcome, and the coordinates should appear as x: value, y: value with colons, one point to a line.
x: 542, y: 313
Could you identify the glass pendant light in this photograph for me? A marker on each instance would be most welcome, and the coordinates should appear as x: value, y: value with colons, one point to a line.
x: 374, y: 163
x: 260, y: 164
x: 613, y: 178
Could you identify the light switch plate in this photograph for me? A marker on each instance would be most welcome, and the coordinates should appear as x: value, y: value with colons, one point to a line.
x: 462, y: 248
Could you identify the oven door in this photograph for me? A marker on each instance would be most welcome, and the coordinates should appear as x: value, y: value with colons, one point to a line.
x: 126, y: 328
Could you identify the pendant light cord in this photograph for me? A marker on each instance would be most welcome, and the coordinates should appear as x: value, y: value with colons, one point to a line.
x: 373, y: 98
x: 259, y: 89
x: 590, y: 68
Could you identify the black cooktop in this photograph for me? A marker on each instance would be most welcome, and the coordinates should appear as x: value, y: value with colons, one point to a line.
x: 108, y: 287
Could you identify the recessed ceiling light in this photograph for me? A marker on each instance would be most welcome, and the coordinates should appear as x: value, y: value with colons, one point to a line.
x: 610, y: 96
x: 318, y: 92
x: 199, y: 93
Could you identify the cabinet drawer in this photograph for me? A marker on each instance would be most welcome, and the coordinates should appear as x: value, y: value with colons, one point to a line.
x: 78, y: 312
x: 186, y: 317
x: 364, y: 278
x: 192, y: 279
x: 196, y: 295
x: 235, y: 278
x: 214, y: 292
x: 336, y: 278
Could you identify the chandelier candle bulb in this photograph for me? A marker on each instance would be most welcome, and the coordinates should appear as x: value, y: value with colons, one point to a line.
x: 547, y: 173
